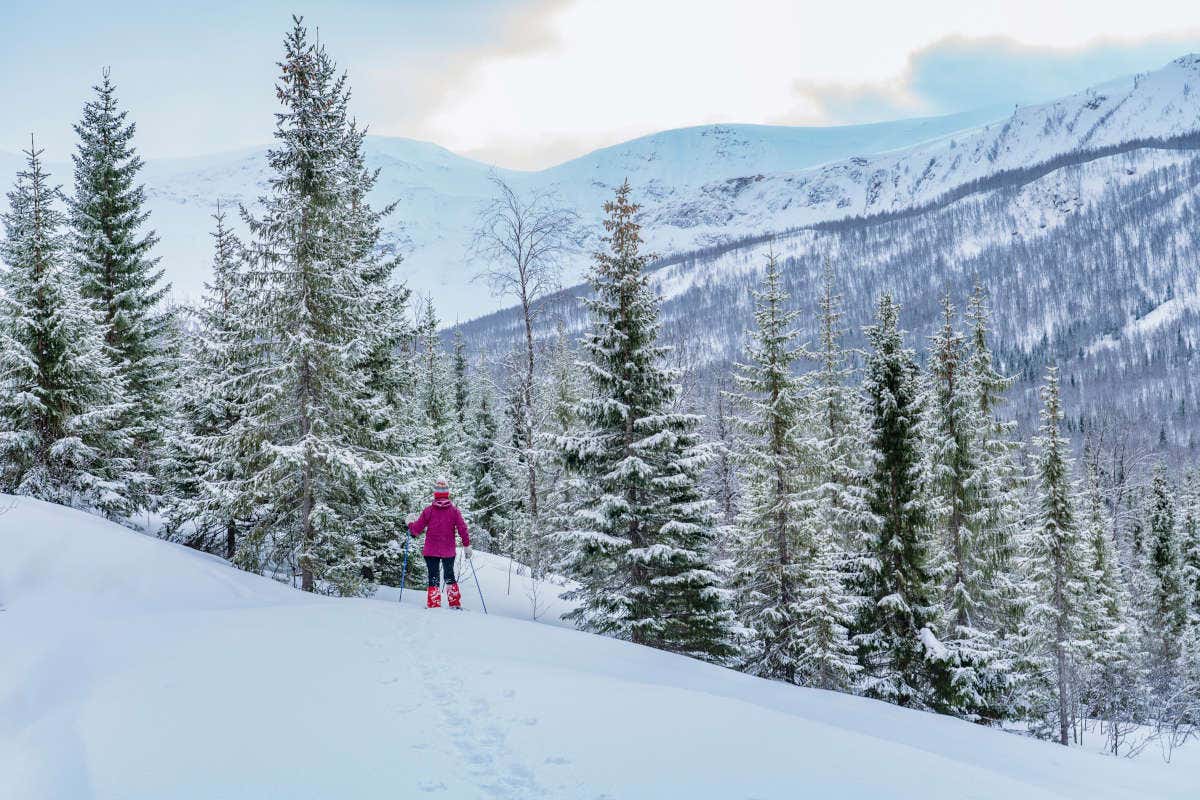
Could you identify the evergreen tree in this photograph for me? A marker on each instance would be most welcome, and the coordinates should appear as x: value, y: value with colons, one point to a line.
x: 1053, y: 564
x: 390, y: 383
x: 562, y: 397
x: 953, y: 427
x: 724, y: 469
x: 1168, y: 601
x: 112, y: 252
x: 492, y: 487
x: 1190, y: 540
x: 1113, y: 679
x: 839, y: 507
x: 774, y: 539
x: 316, y: 466
x: 61, y: 400
x: 206, y: 514
x: 999, y: 487
x: 461, y: 386
x: 640, y: 530
x: 893, y: 632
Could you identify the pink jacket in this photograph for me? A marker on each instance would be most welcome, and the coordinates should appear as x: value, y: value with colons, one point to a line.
x: 442, y: 519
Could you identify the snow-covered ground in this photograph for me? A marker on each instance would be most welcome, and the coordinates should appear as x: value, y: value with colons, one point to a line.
x: 133, y: 668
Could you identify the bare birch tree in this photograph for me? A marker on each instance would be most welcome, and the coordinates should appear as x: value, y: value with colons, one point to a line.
x: 520, y: 243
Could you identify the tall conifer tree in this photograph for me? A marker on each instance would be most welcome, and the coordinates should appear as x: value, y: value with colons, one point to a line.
x: 894, y: 630
x: 206, y: 513
x: 774, y: 537
x: 838, y: 502
x: 954, y: 427
x: 316, y: 466
x: 112, y: 252
x: 1054, y: 562
x: 640, y: 529
x: 61, y: 400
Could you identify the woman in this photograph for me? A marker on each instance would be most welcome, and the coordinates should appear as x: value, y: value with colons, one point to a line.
x: 440, y: 521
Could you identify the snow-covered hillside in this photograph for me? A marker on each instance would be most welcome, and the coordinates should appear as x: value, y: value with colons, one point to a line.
x: 698, y: 186
x: 134, y: 668
x: 438, y: 193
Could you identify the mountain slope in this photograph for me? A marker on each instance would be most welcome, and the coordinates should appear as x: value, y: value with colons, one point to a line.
x: 138, y: 669
x: 1083, y: 228
x: 699, y: 186
x: 438, y: 193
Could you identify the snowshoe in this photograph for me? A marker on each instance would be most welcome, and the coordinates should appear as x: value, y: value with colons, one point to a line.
x: 433, y: 597
x: 454, y: 596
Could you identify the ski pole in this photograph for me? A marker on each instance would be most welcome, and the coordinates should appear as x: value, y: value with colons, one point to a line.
x: 475, y: 574
x: 404, y: 567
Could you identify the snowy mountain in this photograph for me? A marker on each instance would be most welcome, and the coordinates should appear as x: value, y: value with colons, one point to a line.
x: 438, y: 193
x: 135, y: 668
x: 1078, y: 216
x: 699, y: 187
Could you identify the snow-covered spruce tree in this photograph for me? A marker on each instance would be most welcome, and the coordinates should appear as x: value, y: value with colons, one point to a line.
x: 640, y: 531
x: 561, y: 396
x: 1167, y: 604
x: 690, y: 607
x: 461, y: 425
x: 492, y: 486
x: 838, y: 502
x: 970, y: 686
x: 1000, y: 487
x: 390, y: 382
x: 774, y: 537
x: 434, y: 389
x: 838, y: 424
x: 207, y: 512
x: 893, y: 632
x: 1190, y: 540
x: 462, y: 394
x: 112, y: 253
x: 1053, y: 564
x: 723, y: 477
x: 1112, y: 678
x: 61, y: 400
x: 315, y: 463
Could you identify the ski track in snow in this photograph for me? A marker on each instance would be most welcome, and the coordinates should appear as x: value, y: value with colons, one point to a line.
x: 466, y: 720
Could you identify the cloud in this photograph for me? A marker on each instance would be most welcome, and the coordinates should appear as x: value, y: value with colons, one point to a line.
x: 599, y: 71
x: 954, y: 72
x: 408, y: 89
x: 959, y: 73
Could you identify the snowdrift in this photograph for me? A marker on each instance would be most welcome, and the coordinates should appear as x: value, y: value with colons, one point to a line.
x: 133, y: 668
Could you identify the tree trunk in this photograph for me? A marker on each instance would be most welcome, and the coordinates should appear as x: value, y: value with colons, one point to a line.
x: 1060, y: 655
x: 639, y: 574
x: 527, y: 400
x: 306, y: 481
x: 230, y: 539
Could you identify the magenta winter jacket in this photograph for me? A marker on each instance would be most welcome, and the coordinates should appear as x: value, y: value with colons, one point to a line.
x: 441, y: 519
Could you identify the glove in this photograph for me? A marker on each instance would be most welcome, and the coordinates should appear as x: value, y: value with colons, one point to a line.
x: 467, y: 551
x: 411, y: 518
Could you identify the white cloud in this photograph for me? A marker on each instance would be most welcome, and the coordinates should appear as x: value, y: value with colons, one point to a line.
x: 602, y: 70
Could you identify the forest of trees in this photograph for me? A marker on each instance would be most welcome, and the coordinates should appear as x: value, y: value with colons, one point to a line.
x: 866, y: 521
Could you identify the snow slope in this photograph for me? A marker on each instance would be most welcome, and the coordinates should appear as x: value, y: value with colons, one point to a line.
x: 134, y: 668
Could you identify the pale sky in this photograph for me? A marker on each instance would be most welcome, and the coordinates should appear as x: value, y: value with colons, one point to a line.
x: 529, y: 83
